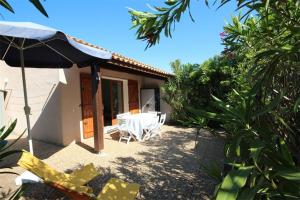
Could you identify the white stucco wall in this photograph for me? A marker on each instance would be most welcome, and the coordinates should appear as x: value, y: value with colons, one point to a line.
x: 70, y: 105
x: 156, y: 83
x: 41, y: 84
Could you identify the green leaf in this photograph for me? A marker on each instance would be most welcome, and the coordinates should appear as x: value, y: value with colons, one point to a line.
x: 9, y: 130
x: 297, y: 105
x: 171, y: 2
x: 292, y: 175
x: 238, y: 144
x: 19, y: 192
x: 286, y: 152
x: 1, y: 130
x: 160, y: 9
x: 281, y: 120
x: 39, y: 6
x: 270, y: 106
x: 233, y: 182
x: 213, y: 170
x: 11, y: 144
x: 250, y: 193
x: 255, y: 149
x: 267, y: 4
x: 206, y: 3
x: 6, y: 5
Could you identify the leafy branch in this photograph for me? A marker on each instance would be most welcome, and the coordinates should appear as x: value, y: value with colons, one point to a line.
x: 37, y: 4
x: 150, y: 25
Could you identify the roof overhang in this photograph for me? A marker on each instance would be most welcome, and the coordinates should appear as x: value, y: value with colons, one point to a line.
x: 129, y: 63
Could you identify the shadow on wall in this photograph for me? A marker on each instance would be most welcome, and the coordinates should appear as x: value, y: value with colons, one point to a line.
x: 59, y: 121
x: 48, y: 125
x: 46, y: 128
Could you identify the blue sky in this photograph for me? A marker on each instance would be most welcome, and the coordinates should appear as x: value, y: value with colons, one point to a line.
x: 107, y: 23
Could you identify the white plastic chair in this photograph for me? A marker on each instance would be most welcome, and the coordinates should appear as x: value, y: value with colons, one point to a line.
x: 114, y: 128
x: 148, y: 130
x: 125, y: 133
x: 157, y: 129
x: 122, y: 115
x: 152, y: 112
x: 110, y: 129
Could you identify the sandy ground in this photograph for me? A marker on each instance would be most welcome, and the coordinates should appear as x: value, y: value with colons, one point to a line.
x: 167, y: 168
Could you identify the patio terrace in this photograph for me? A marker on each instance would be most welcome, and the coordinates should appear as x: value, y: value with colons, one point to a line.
x: 166, y: 168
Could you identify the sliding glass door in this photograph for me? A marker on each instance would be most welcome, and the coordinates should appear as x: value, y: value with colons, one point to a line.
x: 117, y: 99
x: 112, y: 95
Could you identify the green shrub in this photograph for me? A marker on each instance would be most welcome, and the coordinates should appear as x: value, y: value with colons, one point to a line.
x: 194, y: 84
x: 262, y: 121
x: 5, y: 152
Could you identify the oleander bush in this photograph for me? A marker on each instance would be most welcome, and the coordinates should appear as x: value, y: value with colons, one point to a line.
x: 262, y: 121
x: 258, y: 108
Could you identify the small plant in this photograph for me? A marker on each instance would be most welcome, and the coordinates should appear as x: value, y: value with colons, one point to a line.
x: 4, y: 145
x: 5, y: 152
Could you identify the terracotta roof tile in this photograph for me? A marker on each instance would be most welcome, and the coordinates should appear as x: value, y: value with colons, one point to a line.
x: 126, y: 62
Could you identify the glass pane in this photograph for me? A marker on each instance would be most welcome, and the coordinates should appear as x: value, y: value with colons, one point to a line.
x: 117, y: 98
x: 106, y: 102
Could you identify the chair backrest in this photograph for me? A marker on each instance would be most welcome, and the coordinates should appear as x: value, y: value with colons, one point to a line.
x: 122, y: 124
x: 162, y: 119
x: 152, y: 112
x: 122, y: 115
x: 157, y: 124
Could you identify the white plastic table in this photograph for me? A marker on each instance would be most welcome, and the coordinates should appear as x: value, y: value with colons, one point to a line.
x: 136, y: 123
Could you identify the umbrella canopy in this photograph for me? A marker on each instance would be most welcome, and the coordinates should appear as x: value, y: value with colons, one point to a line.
x: 25, y: 44
x: 44, y: 47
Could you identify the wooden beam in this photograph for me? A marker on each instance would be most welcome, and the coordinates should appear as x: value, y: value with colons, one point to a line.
x: 97, y: 109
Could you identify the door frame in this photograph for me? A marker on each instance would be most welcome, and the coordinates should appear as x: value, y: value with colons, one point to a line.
x: 123, y: 92
x: 123, y: 89
x: 111, y: 95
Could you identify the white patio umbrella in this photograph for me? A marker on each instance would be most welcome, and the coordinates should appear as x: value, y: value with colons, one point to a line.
x: 25, y: 44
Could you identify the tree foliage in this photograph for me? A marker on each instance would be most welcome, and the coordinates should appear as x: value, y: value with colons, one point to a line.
x: 261, y: 115
x: 194, y: 84
x: 151, y: 25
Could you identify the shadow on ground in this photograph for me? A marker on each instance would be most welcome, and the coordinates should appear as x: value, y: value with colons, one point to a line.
x: 42, y: 150
x: 169, y: 168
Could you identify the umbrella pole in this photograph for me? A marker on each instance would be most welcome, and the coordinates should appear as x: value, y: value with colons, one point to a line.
x: 26, y: 107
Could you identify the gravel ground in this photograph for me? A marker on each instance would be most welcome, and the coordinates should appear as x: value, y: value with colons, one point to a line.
x: 167, y: 168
